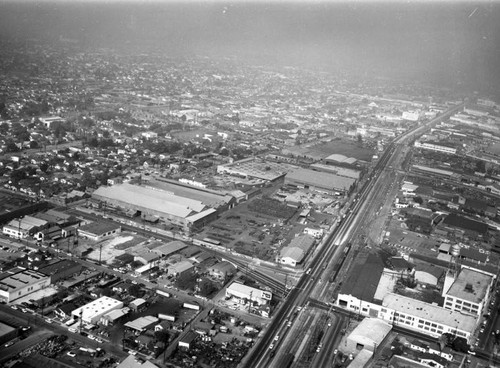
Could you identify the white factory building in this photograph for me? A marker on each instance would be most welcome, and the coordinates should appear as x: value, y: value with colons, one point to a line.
x: 93, y: 311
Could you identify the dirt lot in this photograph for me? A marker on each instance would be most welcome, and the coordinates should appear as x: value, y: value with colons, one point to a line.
x: 260, y: 227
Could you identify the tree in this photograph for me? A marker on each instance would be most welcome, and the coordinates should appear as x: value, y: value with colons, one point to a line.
x: 135, y: 291
x: 162, y: 336
x: 207, y: 287
x: 186, y: 280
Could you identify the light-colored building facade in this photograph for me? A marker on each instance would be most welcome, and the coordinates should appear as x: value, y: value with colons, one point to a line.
x: 469, y: 291
x: 241, y: 291
x: 93, y: 311
x: 16, y: 285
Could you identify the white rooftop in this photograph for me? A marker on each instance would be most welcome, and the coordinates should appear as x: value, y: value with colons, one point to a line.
x: 429, y: 312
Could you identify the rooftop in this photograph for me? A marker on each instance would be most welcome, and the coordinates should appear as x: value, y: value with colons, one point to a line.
x: 96, y: 307
x: 154, y: 199
x: 429, y: 312
x: 320, y: 179
x: 99, y: 228
x: 20, y: 279
x: 470, y: 285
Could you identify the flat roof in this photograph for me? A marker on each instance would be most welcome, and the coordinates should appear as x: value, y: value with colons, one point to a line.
x: 169, y: 248
x: 208, y: 197
x: 257, y: 168
x: 341, y: 171
x: 430, y: 312
x: 99, y: 228
x: 141, y: 323
x: 97, y: 307
x: 148, y: 197
x: 320, y: 179
x: 470, y: 285
x: 21, y: 279
x: 39, y: 294
x: 363, y: 281
x: 58, y: 266
x: 5, y: 329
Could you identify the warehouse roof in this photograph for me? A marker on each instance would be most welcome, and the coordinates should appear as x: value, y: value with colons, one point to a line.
x: 320, y: 179
x: 169, y: 248
x: 362, y: 283
x: 295, y: 253
x: 154, y: 199
x: 141, y: 323
x: 304, y: 242
x: 341, y: 158
x: 371, y: 331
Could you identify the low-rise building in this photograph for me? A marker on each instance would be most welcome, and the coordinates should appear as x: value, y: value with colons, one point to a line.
x: 93, y: 311
x: 97, y: 231
x: 242, y: 292
x: 468, y: 291
x: 17, y: 284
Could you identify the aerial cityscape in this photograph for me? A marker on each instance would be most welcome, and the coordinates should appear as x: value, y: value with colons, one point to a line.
x: 249, y: 184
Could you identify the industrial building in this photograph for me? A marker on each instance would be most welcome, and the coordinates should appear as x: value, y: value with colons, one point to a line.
x: 319, y: 181
x: 177, y: 205
x: 368, y: 335
x: 256, y: 168
x: 93, y: 311
x: 241, y: 292
x: 23, y: 227
x: 295, y: 252
x: 15, y: 285
x: 468, y: 292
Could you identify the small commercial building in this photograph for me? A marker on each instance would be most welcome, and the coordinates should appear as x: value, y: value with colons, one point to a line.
x: 222, y: 270
x: 240, y: 291
x: 295, y: 252
x: 187, y: 340
x: 110, y: 318
x: 141, y: 324
x: 180, y: 268
x: 93, y: 311
x: 133, y: 362
x: 368, y: 335
x: 98, y: 231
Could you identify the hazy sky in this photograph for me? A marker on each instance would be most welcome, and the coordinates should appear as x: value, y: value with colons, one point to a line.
x: 452, y: 42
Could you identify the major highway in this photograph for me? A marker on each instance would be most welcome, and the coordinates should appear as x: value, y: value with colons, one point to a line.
x: 274, y: 347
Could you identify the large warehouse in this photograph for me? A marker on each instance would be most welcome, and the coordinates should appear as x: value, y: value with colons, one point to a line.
x: 167, y: 202
x: 320, y: 181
